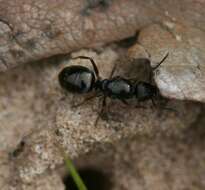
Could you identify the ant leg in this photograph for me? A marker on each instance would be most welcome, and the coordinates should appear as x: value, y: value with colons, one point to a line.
x: 140, y: 106
x: 72, y: 100
x: 86, y: 100
x: 153, y: 102
x: 92, y: 62
x: 124, y: 102
x: 170, y: 109
x: 162, y: 107
x: 101, y: 111
x: 113, y: 70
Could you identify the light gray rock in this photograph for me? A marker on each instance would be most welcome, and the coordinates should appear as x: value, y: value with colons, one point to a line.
x: 182, y: 75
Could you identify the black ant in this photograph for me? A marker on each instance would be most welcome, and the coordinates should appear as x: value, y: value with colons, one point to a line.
x: 80, y: 79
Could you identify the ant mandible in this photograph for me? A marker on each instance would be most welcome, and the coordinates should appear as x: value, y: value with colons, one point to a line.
x: 80, y: 79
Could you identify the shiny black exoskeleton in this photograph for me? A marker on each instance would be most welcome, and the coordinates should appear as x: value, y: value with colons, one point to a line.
x: 80, y: 79
x: 145, y: 91
x: 77, y: 79
x: 116, y: 88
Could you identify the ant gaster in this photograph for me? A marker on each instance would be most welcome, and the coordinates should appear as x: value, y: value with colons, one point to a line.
x: 80, y: 79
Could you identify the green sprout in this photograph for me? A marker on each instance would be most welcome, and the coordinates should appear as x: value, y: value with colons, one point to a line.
x: 74, y: 173
x: 72, y: 170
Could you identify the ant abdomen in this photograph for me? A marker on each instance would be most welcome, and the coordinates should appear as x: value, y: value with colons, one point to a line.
x: 77, y: 79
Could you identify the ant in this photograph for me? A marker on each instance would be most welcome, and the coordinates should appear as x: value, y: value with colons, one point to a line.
x: 80, y: 79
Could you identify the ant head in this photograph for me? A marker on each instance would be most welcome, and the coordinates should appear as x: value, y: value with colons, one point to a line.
x: 145, y: 91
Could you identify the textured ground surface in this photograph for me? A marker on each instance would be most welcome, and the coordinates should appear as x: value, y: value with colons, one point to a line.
x: 45, y: 117
x: 136, y: 148
x: 35, y: 29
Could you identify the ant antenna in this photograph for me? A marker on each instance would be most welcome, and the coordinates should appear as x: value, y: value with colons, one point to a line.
x: 154, y: 68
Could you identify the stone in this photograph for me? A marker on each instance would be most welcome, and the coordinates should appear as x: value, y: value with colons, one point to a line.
x: 34, y: 30
x: 182, y: 75
x: 53, y: 123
